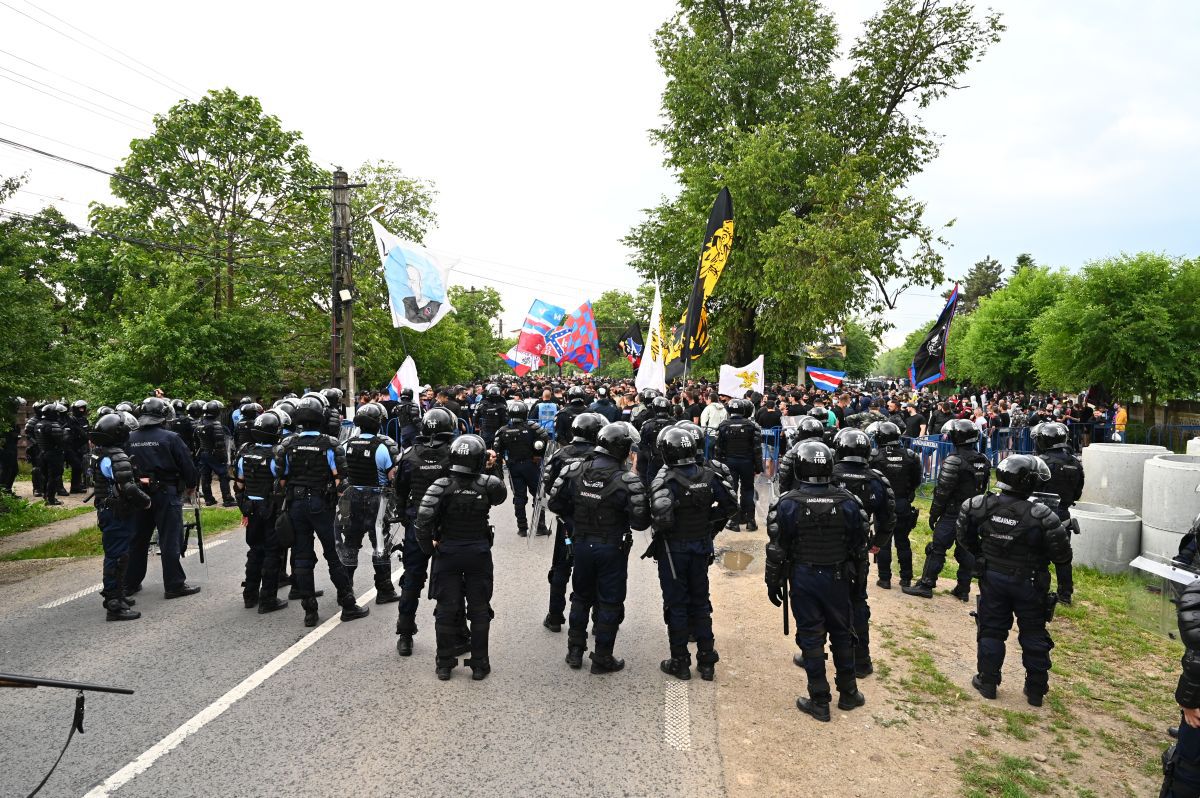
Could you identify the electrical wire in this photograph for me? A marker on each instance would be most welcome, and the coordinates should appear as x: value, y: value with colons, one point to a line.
x: 119, y: 121
x: 59, y: 141
x: 77, y: 82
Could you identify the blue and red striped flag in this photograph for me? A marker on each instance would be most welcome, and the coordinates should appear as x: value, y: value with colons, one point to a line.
x: 826, y: 379
x: 520, y: 362
x: 541, y: 319
x: 575, y: 340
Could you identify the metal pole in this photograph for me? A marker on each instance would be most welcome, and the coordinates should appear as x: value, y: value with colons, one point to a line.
x: 341, y: 251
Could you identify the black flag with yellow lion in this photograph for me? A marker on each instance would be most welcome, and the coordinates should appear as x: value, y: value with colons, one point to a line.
x: 690, y: 340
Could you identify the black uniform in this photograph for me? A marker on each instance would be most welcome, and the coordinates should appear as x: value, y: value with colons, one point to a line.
x: 559, y: 575
x: 520, y: 446
x: 32, y: 453
x: 258, y: 498
x: 649, y: 459
x: 739, y: 446
x: 118, y: 499
x: 963, y: 475
x: 1066, y: 483
x: 816, y: 534
x: 563, y: 420
x: 363, y: 509
x: 689, y: 504
x: 52, y: 445
x: 213, y: 458
x: 8, y: 453
x: 871, y: 489
x: 419, y: 467
x: 408, y: 415
x: 1181, y: 762
x: 604, y: 501
x: 76, y: 427
x: 1013, y: 540
x: 454, y: 513
x: 185, y: 427
x: 902, y: 467
x: 163, y: 458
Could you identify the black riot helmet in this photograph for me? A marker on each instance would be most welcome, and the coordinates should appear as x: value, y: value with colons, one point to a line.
x: 109, y: 430
x: 213, y: 408
x: 820, y: 414
x: 333, y: 396
x: 492, y: 391
x: 852, y: 445
x: 309, y: 413
x: 1020, y: 474
x: 320, y: 397
x: 122, y: 407
x: 677, y: 446
x: 179, y: 406
x: 516, y: 411
x: 647, y: 395
x: 245, y: 400
x: 586, y: 427
x: 615, y: 439
x: 740, y: 408
x: 1050, y: 435
x: 104, y: 410
x: 886, y: 433
x: 369, y: 417
x: 576, y: 395
x: 195, y: 408
x: 251, y: 411
x: 154, y: 412
x: 660, y: 407
x: 130, y: 420
x: 286, y: 405
x: 79, y: 407
x: 468, y: 455
x: 809, y: 428
x: 960, y: 432
x: 285, y: 418
x: 57, y: 410
x: 406, y: 395
x: 268, y: 427
x: 439, y: 425
x: 814, y: 462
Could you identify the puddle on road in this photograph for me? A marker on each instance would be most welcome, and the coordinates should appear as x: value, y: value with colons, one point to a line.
x: 736, y: 560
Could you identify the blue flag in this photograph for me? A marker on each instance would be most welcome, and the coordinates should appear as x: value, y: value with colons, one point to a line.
x: 415, y: 280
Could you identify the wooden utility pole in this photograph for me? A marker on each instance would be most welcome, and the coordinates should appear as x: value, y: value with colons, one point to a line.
x: 341, y: 317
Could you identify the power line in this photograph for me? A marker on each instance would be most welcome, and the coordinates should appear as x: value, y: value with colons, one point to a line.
x: 47, y: 196
x: 180, y: 84
x: 172, y: 89
x: 52, y: 87
x: 70, y: 102
x: 59, y: 141
x: 521, y: 268
x: 77, y: 82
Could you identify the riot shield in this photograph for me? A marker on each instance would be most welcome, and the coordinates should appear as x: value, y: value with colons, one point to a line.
x: 1154, y: 590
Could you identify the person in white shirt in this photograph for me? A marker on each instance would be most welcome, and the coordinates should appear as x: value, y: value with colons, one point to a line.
x: 714, y: 414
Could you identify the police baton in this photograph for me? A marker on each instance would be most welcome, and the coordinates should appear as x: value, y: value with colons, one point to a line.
x: 786, y: 629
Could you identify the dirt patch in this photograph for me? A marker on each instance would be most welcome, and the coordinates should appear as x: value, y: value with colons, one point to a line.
x: 20, y: 570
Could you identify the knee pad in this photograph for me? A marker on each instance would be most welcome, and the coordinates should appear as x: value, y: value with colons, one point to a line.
x: 929, y: 549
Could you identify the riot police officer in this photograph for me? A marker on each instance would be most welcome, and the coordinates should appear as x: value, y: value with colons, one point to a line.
x: 189, y: 430
x: 604, y: 502
x: 1013, y: 540
x: 310, y: 468
x: 213, y: 454
x: 809, y: 429
x: 689, y: 504
x: 902, y: 468
x: 1065, y: 485
x: 255, y: 486
x: 584, y: 430
x: 32, y: 454
x: 244, y: 426
x: 52, y: 445
x: 1181, y: 762
x: 364, y: 506
x: 576, y: 404
x: 76, y: 426
x: 408, y: 415
x: 851, y: 453
x: 739, y: 446
x: 816, y: 532
x: 118, y: 498
x: 165, y: 468
x: 333, y: 412
x: 453, y: 521
x: 427, y: 461
x: 520, y: 445
x: 490, y: 414
x: 964, y: 474
x: 653, y: 421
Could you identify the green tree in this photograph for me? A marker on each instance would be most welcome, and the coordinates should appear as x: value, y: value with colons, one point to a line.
x: 817, y: 160
x: 984, y: 279
x: 895, y: 362
x: 861, y: 351
x: 1129, y: 323
x: 998, y: 350
x: 477, y: 311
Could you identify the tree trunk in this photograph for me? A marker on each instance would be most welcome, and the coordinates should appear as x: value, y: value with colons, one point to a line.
x: 1151, y: 408
x: 742, y: 338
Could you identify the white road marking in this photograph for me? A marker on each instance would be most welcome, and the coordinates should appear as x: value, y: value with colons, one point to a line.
x: 677, y: 720
x: 198, y: 721
x: 87, y: 591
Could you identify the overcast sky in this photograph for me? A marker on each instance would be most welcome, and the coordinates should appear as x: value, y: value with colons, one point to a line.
x: 1075, y: 140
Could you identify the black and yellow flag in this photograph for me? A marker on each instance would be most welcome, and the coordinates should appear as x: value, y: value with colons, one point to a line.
x: 690, y: 339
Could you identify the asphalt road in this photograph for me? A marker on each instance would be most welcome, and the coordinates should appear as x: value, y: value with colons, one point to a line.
x: 218, y: 711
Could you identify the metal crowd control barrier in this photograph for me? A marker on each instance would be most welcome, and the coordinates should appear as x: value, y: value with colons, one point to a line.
x: 1172, y: 436
x: 933, y: 451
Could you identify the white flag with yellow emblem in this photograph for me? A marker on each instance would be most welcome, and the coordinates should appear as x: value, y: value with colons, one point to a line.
x: 736, y: 380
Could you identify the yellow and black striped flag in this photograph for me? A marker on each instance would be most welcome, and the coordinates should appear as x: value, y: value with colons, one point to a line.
x: 690, y: 339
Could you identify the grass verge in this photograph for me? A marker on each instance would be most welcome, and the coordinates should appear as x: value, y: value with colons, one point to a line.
x: 86, y: 542
x: 18, y: 515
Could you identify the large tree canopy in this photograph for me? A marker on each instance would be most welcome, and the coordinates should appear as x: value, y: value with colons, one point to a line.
x: 817, y: 161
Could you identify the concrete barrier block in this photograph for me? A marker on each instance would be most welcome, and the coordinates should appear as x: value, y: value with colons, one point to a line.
x: 1109, y: 537
x: 1171, y: 491
x: 1114, y: 473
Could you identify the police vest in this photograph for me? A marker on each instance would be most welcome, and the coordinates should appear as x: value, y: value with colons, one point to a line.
x: 820, y: 534
x: 893, y: 461
x: 518, y: 441
x: 426, y: 465
x: 858, y: 483
x: 571, y: 453
x: 212, y: 435
x: 1004, y: 532
x: 308, y: 461
x: 256, y: 470
x: 563, y: 421
x: 694, y: 498
x: 491, y: 416
x: 737, y: 438
x: 407, y: 413
x: 648, y: 448
x: 972, y: 478
x: 360, y: 461
x: 108, y: 491
x: 597, y: 493
x: 50, y: 435
x: 333, y: 422
x: 1065, y: 473
x: 465, y: 513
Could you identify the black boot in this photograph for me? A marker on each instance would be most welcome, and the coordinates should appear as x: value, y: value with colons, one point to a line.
x: 350, y: 609
x: 575, y: 657
x: 523, y: 530
x: 480, y: 668
x: 1033, y: 696
x: 849, y: 701
x: 818, y: 709
x: 987, y: 689
x: 706, y: 661
x: 962, y: 592
x: 751, y: 523
x: 250, y: 598
x: 310, y: 611
x: 921, y: 588
x: 404, y: 645
x: 553, y: 622
x: 118, y: 610
x: 385, y: 591
x: 443, y: 667
x: 270, y: 604
x: 604, y: 662
x: 679, y: 666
